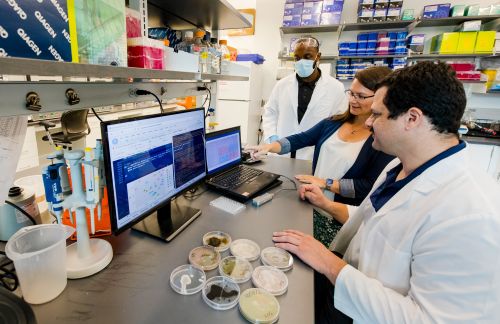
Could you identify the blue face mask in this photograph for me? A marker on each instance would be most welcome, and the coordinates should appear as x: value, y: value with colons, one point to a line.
x: 304, y: 68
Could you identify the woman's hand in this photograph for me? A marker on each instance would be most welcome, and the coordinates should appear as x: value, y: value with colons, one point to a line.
x: 258, y: 152
x: 304, y: 178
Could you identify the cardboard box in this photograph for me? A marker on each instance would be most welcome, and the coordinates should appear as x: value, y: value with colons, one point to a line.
x: 395, y: 3
x: 289, y: 21
x: 292, y: 9
x: 437, y: 11
x: 330, y: 18
x: 393, y: 14
x: 416, y: 43
x: 36, y: 30
x: 485, y: 42
x: 466, y: 42
x: 445, y: 43
x: 333, y: 6
x: 471, y: 25
x: 310, y: 20
x: 311, y: 8
x: 379, y: 15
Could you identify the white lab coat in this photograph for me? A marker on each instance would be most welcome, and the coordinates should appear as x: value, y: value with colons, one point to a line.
x: 280, y: 112
x: 431, y: 254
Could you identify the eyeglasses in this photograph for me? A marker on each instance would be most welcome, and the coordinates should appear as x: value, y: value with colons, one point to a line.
x: 357, y: 96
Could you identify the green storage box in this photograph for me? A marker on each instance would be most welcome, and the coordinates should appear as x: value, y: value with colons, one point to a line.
x: 457, y: 11
x: 102, y: 38
x: 472, y: 10
x: 466, y: 42
x: 485, y: 42
x: 445, y: 43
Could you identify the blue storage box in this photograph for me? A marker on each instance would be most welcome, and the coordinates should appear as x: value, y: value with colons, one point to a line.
x: 256, y: 58
x: 312, y: 8
x: 36, y: 30
x: 437, y: 10
x: 289, y: 21
x: 402, y: 35
x: 333, y: 5
x: 293, y: 11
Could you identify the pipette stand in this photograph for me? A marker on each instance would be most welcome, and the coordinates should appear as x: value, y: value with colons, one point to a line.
x: 87, y: 256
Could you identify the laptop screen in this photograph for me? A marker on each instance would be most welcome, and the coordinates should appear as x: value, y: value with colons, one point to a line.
x: 223, y: 150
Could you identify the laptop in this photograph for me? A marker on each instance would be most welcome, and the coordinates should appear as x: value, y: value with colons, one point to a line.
x: 225, y: 171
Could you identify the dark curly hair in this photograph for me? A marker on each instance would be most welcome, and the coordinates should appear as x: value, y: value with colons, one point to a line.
x: 431, y: 87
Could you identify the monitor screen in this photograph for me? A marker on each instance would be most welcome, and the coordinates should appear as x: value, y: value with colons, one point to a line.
x: 223, y: 150
x: 149, y: 160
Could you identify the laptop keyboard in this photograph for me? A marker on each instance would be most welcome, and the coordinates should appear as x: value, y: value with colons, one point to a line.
x: 237, y: 177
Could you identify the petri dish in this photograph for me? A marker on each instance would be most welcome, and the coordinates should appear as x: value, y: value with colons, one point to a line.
x: 219, y: 240
x: 221, y: 293
x: 187, y: 279
x: 276, y: 257
x: 271, y: 279
x: 259, y: 306
x: 205, y: 257
x: 245, y: 249
x: 238, y: 269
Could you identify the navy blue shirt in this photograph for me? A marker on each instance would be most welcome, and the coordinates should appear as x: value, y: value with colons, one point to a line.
x: 390, y: 186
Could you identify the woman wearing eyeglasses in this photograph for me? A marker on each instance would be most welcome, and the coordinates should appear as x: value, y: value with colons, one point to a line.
x: 344, y: 164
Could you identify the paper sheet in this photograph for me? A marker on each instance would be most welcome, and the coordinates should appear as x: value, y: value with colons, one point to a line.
x: 29, y: 152
x: 12, y: 133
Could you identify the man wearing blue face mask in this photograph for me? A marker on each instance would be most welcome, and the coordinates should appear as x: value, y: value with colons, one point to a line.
x: 300, y: 101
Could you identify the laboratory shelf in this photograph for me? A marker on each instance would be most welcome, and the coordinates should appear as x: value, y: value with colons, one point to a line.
x: 323, y: 58
x: 371, y: 56
x: 439, y: 56
x: 452, y: 21
x: 21, y: 66
x: 377, y: 25
x: 206, y: 14
x: 309, y: 29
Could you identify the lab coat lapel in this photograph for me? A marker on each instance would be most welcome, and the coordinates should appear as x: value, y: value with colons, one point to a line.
x: 293, y: 97
x: 425, y: 183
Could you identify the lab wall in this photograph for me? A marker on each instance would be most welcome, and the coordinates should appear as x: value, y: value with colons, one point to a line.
x: 268, y: 41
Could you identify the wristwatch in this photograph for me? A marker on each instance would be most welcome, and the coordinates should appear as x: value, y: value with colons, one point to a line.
x: 329, y: 183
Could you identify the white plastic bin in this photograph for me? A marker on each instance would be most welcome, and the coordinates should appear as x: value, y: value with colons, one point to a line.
x: 39, y: 255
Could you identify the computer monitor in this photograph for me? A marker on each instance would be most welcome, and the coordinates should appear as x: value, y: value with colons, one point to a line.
x: 148, y: 161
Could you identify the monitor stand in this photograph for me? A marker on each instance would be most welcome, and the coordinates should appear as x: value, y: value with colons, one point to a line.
x: 168, y: 221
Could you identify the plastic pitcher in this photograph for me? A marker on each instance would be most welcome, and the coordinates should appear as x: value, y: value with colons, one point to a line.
x: 39, y: 255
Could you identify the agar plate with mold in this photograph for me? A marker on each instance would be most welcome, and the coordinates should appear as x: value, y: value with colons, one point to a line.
x: 245, y: 249
x: 219, y: 240
x: 238, y: 269
x: 187, y: 279
x: 276, y: 257
x: 259, y: 306
x: 271, y: 279
x: 205, y: 257
x: 221, y: 293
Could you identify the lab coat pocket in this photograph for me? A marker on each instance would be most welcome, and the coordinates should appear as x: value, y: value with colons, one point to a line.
x: 394, y: 266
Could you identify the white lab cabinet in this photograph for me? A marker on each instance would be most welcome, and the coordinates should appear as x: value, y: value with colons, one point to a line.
x: 238, y: 103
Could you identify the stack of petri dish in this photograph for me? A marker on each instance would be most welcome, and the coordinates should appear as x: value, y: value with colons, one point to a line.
x: 221, y: 293
x: 270, y: 279
x: 205, y: 257
x: 245, y: 249
x: 187, y: 279
x: 219, y: 240
x: 238, y: 269
x: 259, y: 306
x: 276, y: 257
